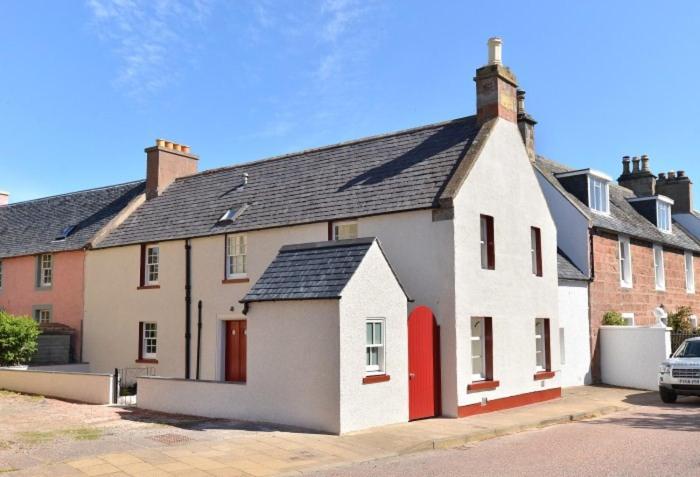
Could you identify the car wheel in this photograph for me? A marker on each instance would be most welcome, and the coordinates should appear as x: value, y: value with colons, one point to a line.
x: 668, y: 396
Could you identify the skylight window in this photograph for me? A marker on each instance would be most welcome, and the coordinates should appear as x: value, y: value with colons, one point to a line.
x: 229, y: 216
x: 65, y: 233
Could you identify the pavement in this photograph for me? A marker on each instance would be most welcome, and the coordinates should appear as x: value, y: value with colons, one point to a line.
x: 650, y: 439
x: 171, y: 445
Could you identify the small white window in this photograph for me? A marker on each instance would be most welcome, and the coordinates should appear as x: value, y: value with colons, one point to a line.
x: 149, y: 341
x: 375, y: 346
x: 663, y: 216
x: 42, y: 315
x: 625, y: 262
x: 45, y: 270
x: 689, y: 273
x: 659, y: 273
x: 598, y: 195
x: 629, y: 319
x: 478, y: 342
x: 236, y: 256
x: 345, y: 230
x: 562, y: 346
x: 540, y: 348
x: 152, y: 264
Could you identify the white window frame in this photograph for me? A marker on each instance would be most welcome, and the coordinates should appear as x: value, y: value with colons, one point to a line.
x: 689, y: 261
x: 540, y: 345
x: 629, y: 319
x: 598, y: 204
x: 236, y: 256
x: 478, y: 345
x: 625, y: 263
x: 380, y: 367
x: 42, y: 315
x: 659, y: 270
x: 45, y: 270
x: 338, y: 227
x: 151, y: 267
x: 663, y: 216
x: 147, y: 339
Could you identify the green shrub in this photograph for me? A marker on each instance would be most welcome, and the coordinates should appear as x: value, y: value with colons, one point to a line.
x: 18, y: 339
x: 613, y: 318
x: 680, y: 320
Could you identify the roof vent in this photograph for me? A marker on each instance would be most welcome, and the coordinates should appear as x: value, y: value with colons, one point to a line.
x: 65, y: 233
x: 245, y: 178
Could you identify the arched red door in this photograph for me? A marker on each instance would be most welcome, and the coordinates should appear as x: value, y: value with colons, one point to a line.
x: 423, y: 364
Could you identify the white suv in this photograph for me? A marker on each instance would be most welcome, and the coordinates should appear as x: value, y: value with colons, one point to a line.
x: 680, y: 374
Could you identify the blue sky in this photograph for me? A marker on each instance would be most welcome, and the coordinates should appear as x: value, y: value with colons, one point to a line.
x: 85, y: 86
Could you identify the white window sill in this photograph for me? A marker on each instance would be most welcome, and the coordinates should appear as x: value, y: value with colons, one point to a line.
x: 625, y: 285
x: 374, y: 373
x: 599, y: 212
x: 236, y: 276
x: 663, y: 289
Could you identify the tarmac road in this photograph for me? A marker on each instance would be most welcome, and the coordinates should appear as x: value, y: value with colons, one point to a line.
x: 651, y: 439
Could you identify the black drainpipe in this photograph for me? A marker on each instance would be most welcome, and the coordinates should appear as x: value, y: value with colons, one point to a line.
x: 188, y: 304
x: 199, y: 334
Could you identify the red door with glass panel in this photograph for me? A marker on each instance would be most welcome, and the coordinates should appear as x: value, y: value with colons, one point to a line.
x: 423, y: 364
x: 236, y: 344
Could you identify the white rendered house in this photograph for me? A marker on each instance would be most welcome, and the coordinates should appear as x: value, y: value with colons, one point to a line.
x: 462, y: 223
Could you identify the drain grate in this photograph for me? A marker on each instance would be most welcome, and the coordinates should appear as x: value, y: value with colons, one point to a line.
x: 170, y: 439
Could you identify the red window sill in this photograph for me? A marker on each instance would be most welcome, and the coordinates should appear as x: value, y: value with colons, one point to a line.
x: 235, y: 280
x: 482, y: 386
x: 539, y: 376
x: 378, y: 378
x: 148, y: 287
x: 147, y: 361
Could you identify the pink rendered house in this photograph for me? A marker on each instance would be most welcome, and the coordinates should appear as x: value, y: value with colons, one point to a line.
x: 43, y: 243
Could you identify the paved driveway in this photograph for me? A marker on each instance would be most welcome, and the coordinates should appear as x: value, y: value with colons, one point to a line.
x: 651, y: 439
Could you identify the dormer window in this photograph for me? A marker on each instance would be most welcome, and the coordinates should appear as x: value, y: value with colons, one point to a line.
x: 589, y: 186
x: 598, y: 194
x: 663, y: 216
x: 656, y: 209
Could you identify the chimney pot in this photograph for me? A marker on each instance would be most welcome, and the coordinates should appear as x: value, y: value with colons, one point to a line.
x: 160, y: 143
x: 495, y: 47
x: 662, y: 176
x: 635, y: 165
x: 4, y: 198
x: 680, y: 174
x: 168, y: 145
x: 645, y: 163
x: 185, y: 149
x: 671, y: 175
x: 177, y: 147
x: 625, y: 165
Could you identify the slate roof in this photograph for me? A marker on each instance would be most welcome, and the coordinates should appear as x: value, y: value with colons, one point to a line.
x: 310, y: 271
x: 567, y: 270
x: 31, y: 227
x: 400, y: 171
x: 623, y: 218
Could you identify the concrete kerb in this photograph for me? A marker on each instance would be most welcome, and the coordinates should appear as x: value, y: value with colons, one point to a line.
x: 486, y: 434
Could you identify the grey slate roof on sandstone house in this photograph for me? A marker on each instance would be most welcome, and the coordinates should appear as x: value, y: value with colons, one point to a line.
x: 310, y: 271
x: 31, y: 227
x: 567, y: 270
x: 623, y: 218
x: 401, y: 171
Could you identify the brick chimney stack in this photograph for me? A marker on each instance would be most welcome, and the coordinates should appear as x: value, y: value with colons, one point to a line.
x: 678, y: 187
x: 4, y: 198
x: 165, y: 162
x: 495, y: 88
x: 526, y: 125
x: 640, y: 180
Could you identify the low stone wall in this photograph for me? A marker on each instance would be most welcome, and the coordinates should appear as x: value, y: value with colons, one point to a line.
x: 630, y: 355
x: 90, y: 388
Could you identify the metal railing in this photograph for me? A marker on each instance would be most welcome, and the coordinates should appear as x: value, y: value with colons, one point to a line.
x: 126, y: 383
x: 678, y: 338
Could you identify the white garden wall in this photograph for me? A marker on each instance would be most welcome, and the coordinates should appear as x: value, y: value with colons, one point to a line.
x: 630, y: 355
x: 84, y: 387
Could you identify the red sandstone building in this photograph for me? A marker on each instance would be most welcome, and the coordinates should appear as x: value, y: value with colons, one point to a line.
x: 42, y: 259
x: 624, y: 236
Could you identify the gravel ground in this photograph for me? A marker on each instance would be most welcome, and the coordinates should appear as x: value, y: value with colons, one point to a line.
x: 651, y: 439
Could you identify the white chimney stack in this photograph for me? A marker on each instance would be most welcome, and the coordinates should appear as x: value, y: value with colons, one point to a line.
x: 495, y: 45
x: 4, y: 198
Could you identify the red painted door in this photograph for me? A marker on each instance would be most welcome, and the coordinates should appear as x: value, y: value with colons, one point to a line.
x: 423, y: 364
x: 236, y: 344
